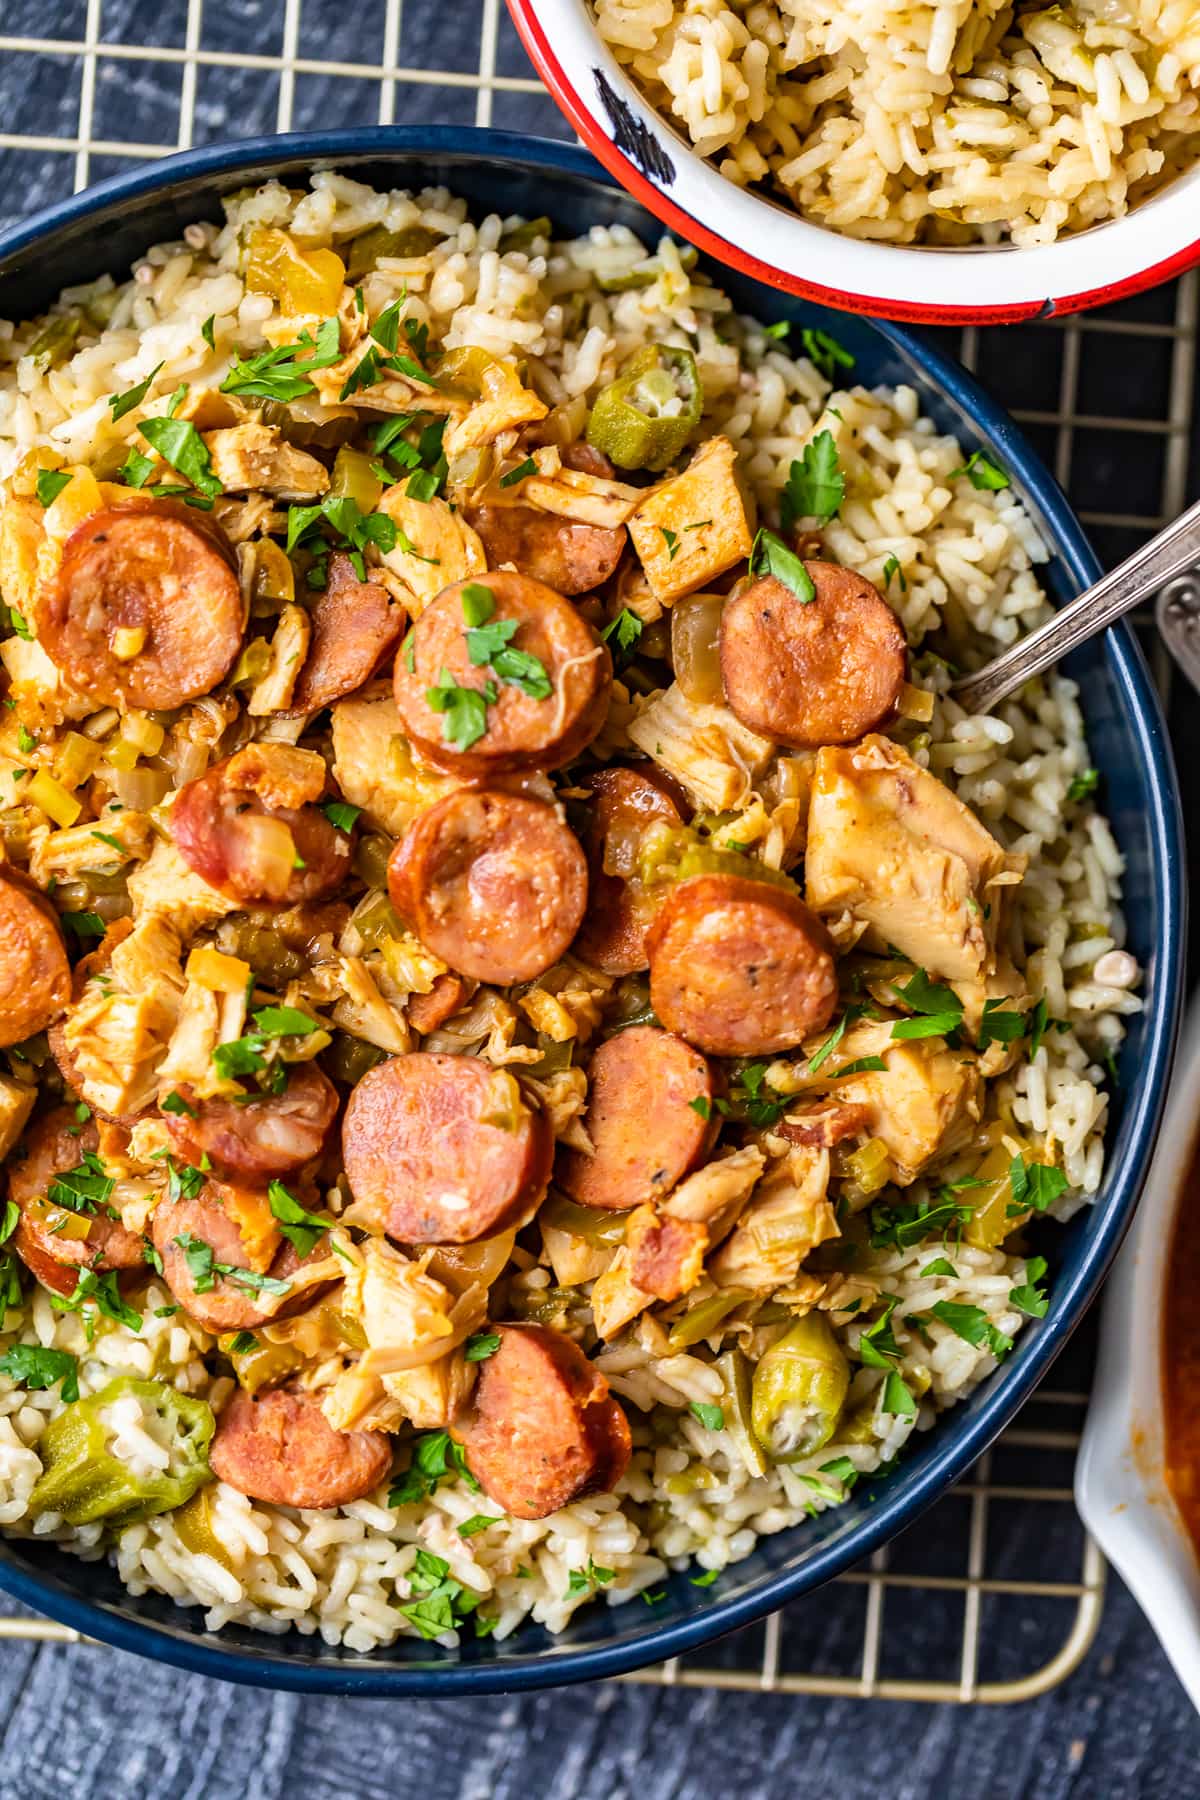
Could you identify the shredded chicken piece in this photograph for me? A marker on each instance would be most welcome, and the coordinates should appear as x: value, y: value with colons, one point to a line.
x: 504, y: 404
x: 65, y: 855
x: 289, y: 647
x: 708, y: 751
x: 251, y: 457
x: 376, y: 768
x: 787, y: 1218
x: 117, y: 1033
x: 281, y: 775
x: 695, y: 525
x: 164, y: 884
x: 16, y: 1104
x: 412, y: 1368
x: 434, y: 547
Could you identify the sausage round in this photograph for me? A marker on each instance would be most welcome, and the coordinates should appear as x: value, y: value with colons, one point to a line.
x: 259, y: 1139
x: 569, y: 556
x: 425, y: 1012
x: 543, y: 1429
x: 280, y: 1447
x: 519, y: 732
x: 216, y: 824
x: 227, y: 1305
x: 650, y: 1118
x: 354, y: 626
x: 35, y: 977
x: 494, y: 883
x: 824, y: 672
x: 625, y: 802
x: 146, y: 570
x: 423, y: 1161
x: 56, y: 1143
x: 740, y: 968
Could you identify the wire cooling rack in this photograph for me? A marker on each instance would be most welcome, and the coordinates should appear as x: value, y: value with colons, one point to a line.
x: 997, y: 1593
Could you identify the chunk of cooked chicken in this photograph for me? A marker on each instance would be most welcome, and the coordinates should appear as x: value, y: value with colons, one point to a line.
x: 253, y: 457
x: 392, y: 393
x: 16, y: 1104
x: 694, y: 526
x: 21, y: 537
x: 206, y: 1019
x: 666, y: 1246
x: 375, y: 766
x: 434, y: 547
x: 117, y: 1033
x: 289, y: 647
x: 890, y: 844
x: 708, y: 751
x: 787, y: 1218
x: 923, y: 1104
x: 164, y: 884
x: 39, y: 695
x: 65, y: 855
x: 349, y: 988
x: 575, y: 494
x: 407, y: 1317
x: 504, y: 403
x: 281, y: 775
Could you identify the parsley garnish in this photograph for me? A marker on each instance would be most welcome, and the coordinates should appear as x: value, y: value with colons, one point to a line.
x: 207, y: 331
x: 136, y: 470
x: 521, y: 473
x: 891, y: 568
x: 705, y: 1580
x: 489, y: 645
x: 816, y: 486
x: 981, y: 473
x: 702, y: 1105
x: 580, y: 1580
x: 478, y: 1522
x: 711, y: 1417
x: 243, y: 1343
x: 939, y: 1007
x: 103, y: 1289
x: 1027, y: 1296
x: 769, y: 555
x: 280, y: 374
x: 877, y: 1347
x: 480, y: 1345
x: 83, y: 1189
x: 175, y: 1103
x: 1035, y: 1186
x: 825, y: 352
x: 17, y: 622
x: 897, y: 1398
x: 464, y: 709
x: 120, y: 404
x: 1084, y: 784
x: 341, y: 814
x: 998, y: 1027
x: 671, y: 540
x: 50, y: 484
x: 626, y: 628
x: 436, y: 1458
x: 180, y: 444
x: 299, y: 1227
x: 35, y: 1367
x: 443, y: 1603
x: 972, y: 1325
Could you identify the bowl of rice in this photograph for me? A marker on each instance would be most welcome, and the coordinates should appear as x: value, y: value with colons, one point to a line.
x: 948, y: 163
x: 527, y: 251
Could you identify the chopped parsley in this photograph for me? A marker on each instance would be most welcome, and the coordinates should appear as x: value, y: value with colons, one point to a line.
x: 341, y: 814
x: 478, y: 1522
x: 702, y: 1105
x: 769, y: 555
x: 1084, y: 784
x: 877, y: 1346
x: 580, y: 1581
x: 939, y: 1266
x: 911, y: 1222
x: 625, y: 629
x: 825, y: 352
x: 711, y: 1417
x: 175, y: 1103
x: 120, y: 404
x: 939, y: 1008
x: 489, y: 645
x: 300, y: 1228
x: 892, y: 569
x: 521, y: 473
x: 50, y: 484
x: 442, y: 1604
x: 864, y: 1065
x: 103, y: 1289
x: 180, y: 444
x: 17, y: 623
x: 246, y: 1055
x: 897, y: 1398
x: 1035, y: 1186
x: 464, y: 709
x: 997, y: 1027
x: 816, y: 486
x: 480, y: 1345
x: 1027, y: 1296
x: 671, y: 540
x: 84, y: 924
x: 207, y: 331
x: 35, y: 1367
x: 281, y: 374
x: 243, y: 1344
x: 972, y: 1325
x: 705, y: 1580
x: 26, y: 742
x: 136, y: 470
x: 981, y: 473
x: 436, y: 1457
x: 82, y: 1189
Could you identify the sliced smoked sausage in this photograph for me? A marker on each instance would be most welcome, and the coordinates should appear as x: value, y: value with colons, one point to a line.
x: 624, y: 803
x: 495, y: 884
x: 354, y: 625
x: 54, y: 1241
x: 740, y: 968
x: 35, y: 977
x: 650, y: 1117
x: 259, y: 1139
x: 433, y: 1154
x: 250, y: 827
x: 222, y: 1301
x: 543, y: 1428
x: 819, y: 673
x: 280, y: 1447
x: 567, y: 555
x: 169, y: 582
x: 516, y: 730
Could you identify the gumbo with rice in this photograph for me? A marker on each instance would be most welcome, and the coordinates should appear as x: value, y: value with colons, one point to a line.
x: 535, y: 1029
x: 955, y: 122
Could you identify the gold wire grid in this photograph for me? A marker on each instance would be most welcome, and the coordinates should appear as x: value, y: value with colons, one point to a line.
x: 761, y: 1659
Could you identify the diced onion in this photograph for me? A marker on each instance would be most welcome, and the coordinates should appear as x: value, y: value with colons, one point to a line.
x: 695, y: 632
x: 915, y: 703
x: 128, y: 641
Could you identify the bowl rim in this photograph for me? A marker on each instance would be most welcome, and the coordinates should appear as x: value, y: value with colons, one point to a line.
x: 650, y: 157
x: 1120, y: 1486
x: 1016, y: 1380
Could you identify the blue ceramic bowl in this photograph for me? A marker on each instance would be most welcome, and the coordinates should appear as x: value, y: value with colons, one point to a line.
x: 105, y: 229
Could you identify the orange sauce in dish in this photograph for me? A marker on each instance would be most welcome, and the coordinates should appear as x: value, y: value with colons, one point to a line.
x: 1181, y: 1354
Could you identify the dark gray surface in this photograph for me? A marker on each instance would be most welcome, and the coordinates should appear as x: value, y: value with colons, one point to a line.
x: 87, y: 1721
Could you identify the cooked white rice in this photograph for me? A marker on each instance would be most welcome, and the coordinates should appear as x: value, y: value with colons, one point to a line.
x: 968, y: 558
x: 956, y: 122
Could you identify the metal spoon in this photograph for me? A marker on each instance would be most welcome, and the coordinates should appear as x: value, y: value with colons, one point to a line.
x: 1138, y: 578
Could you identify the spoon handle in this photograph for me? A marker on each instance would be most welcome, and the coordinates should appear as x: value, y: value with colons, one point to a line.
x: 1138, y: 578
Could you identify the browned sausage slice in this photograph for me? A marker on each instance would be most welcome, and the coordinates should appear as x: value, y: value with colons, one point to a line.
x: 35, y: 978
x: 740, y: 968
x: 426, y: 1162
x: 252, y: 832
x: 494, y: 883
x: 142, y: 571
x: 619, y: 912
x: 567, y: 555
x: 543, y: 1429
x: 650, y: 1118
x: 518, y: 730
x: 354, y: 625
x: 223, y: 1302
x: 266, y: 1136
x: 425, y: 1012
x: 55, y: 1242
x: 280, y: 1447
x: 821, y: 673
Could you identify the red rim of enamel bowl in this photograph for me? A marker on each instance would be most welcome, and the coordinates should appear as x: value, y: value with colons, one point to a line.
x: 537, y: 44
